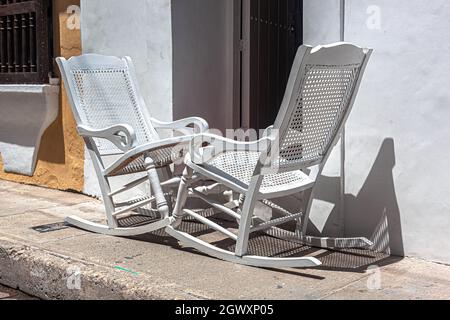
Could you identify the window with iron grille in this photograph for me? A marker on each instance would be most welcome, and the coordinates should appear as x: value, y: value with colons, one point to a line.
x: 25, y: 41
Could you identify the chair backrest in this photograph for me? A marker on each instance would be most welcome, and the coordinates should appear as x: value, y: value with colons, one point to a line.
x: 103, y: 92
x: 321, y: 91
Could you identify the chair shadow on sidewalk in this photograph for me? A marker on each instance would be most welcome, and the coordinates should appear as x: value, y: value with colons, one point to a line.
x: 373, y: 213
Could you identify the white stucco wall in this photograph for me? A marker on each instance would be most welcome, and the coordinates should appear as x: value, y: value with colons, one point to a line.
x: 141, y: 29
x: 398, y: 138
x: 203, y: 60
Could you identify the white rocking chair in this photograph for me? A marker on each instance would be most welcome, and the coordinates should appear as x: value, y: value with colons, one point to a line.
x: 114, y: 122
x: 320, y: 94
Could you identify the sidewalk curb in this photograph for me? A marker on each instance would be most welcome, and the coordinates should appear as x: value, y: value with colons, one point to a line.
x: 51, y: 276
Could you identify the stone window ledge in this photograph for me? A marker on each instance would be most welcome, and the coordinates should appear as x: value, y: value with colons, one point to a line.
x: 26, y: 111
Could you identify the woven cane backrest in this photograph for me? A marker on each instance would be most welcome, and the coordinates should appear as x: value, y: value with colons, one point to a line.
x: 321, y: 91
x: 105, y: 93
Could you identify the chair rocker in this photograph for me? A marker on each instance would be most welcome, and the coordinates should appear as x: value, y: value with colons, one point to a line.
x: 122, y: 141
x: 321, y: 91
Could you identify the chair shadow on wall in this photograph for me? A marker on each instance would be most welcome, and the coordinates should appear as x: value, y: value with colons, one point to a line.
x: 373, y: 213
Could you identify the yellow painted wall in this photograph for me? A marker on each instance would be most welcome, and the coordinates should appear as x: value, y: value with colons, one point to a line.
x: 61, y: 154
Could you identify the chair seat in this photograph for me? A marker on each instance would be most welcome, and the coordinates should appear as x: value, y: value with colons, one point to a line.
x: 164, y: 155
x: 136, y: 164
x: 239, y: 166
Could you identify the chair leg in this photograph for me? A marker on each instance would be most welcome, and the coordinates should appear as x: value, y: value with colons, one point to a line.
x: 182, y: 194
x: 301, y: 222
x: 303, y: 227
x: 155, y: 184
x: 108, y: 203
x: 168, y: 174
x: 247, y: 217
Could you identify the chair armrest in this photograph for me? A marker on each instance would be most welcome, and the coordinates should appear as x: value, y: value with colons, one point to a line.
x: 268, y: 132
x: 122, y: 136
x: 217, y: 145
x: 200, y: 125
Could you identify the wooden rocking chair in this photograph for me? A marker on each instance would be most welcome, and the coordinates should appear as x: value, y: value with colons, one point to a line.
x: 320, y: 94
x: 113, y: 120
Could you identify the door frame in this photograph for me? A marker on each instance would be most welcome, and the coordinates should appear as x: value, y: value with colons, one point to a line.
x: 245, y: 64
x: 239, y: 62
x: 236, y: 52
x: 242, y: 29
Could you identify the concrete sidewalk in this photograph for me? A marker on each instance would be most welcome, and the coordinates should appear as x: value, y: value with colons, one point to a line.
x: 10, y: 294
x: 66, y: 263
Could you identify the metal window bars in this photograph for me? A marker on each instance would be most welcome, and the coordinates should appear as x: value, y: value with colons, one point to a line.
x: 25, y: 45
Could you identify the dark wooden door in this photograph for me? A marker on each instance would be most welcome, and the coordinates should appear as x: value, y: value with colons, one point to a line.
x: 275, y: 35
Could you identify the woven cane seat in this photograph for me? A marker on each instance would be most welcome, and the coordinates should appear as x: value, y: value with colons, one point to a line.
x: 161, y: 157
x: 240, y: 166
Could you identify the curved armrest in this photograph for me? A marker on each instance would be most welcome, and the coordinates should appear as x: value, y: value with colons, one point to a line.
x: 217, y: 145
x: 268, y: 132
x: 200, y: 125
x: 122, y: 136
